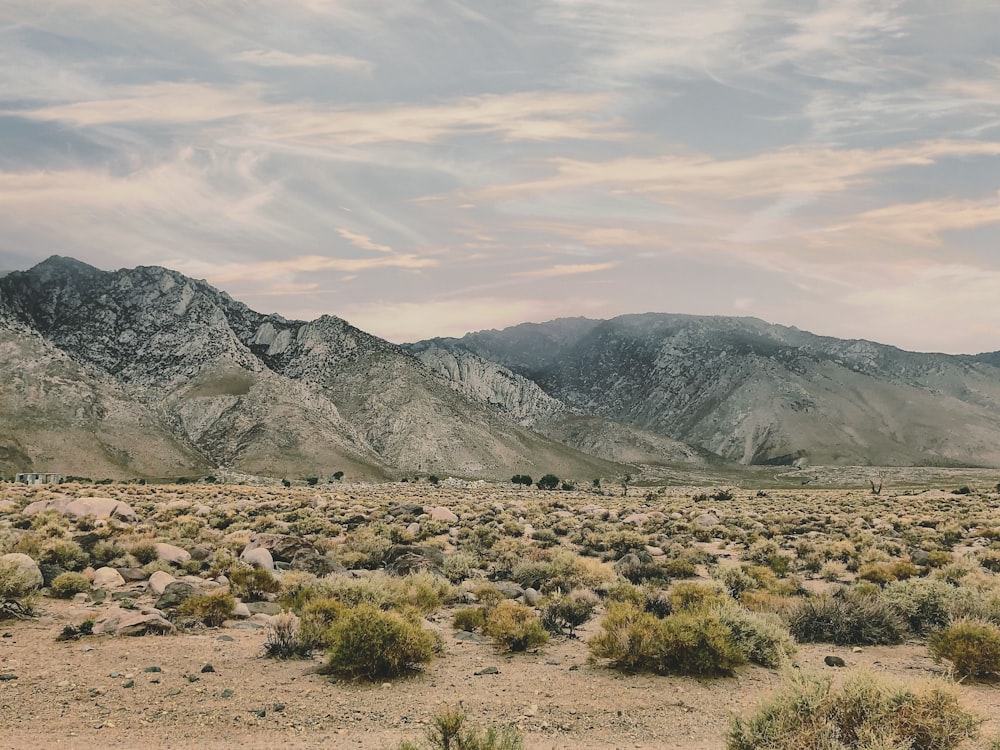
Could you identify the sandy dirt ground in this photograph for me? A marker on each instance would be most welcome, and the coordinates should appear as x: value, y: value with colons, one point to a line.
x: 74, y: 694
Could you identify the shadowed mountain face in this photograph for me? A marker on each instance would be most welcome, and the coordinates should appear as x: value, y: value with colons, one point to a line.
x: 224, y: 386
x: 759, y: 393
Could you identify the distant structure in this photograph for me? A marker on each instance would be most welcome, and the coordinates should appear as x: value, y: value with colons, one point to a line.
x: 43, y: 478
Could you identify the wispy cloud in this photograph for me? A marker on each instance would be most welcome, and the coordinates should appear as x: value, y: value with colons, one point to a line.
x: 563, y: 269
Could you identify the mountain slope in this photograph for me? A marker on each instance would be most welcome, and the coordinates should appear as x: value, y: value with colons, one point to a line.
x: 263, y: 394
x: 759, y: 393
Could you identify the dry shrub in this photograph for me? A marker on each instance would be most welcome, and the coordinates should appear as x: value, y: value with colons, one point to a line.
x: 567, y: 612
x: 67, y: 585
x: 972, y: 646
x: 448, y: 732
x: 514, y: 627
x: 283, y: 638
x: 368, y: 643
x: 211, y: 609
x: 867, y: 713
x: 686, y: 643
x: 252, y: 584
x: 848, y: 620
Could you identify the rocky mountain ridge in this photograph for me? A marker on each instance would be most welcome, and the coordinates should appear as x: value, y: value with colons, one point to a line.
x: 239, y: 389
x: 759, y: 393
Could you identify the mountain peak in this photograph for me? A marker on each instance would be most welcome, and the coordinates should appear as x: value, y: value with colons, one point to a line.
x: 60, y: 266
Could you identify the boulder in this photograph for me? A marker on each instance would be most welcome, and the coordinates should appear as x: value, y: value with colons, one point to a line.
x: 441, y: 513
x: 174, y: 595
x: 281, y: 547
x: 127, y: 622
x: 402, y: 559
x: 706, y: 521
x: 258, y: 558
x: 311, y: 561
x: 509, y: 589
x: 637, y: 519
x: 98, y: 507
x: 159, y: 581
x: 27, y: 567
x: 171, y: 553
x: 107, y: 578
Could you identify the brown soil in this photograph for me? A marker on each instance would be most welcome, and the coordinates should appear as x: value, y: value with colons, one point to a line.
x: 72, y: 694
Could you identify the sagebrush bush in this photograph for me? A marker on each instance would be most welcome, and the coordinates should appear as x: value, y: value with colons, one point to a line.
x: 469, y: 619
x: 211, y: 609
x: 143, y: 552
x: 924, y: 604
x: 514, y: 627
x: 850, y: 620
x: 686, y: 642
x: 283, y: 638
x: 762, y: 638
x: 972, y: 646
x: 567, y: 612
x: 315, y: 620
x: 867, y: 713
x: 252, y: 584
x: 17, y: 593
x: 369, y: 643
x: 448, y: 732
x: 67, y: 585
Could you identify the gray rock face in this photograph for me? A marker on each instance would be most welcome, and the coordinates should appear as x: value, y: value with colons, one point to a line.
x: 226, y: 386
x: 759, y: 393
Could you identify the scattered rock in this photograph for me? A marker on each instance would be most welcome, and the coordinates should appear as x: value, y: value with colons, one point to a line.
x: 834, y: 661
x: 159, y: 581
x: 402, y: 559
x: 441, y: 513
x: 258, y: 557
x: 531, y: 596
x: 174, y: 595
x: 487, y: 670
x: 207, y: 668
x: 107, y: 578
x: 509, y: 589
x: 171, y: 553
x: 706, y: 521
x: 123, y: 622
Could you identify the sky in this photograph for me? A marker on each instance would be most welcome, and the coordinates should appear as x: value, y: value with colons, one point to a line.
x: 432, y: 167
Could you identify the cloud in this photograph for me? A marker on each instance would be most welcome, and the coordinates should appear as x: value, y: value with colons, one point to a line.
x: 279, y: 59
x: 363, y: 241
x: 568, y: 269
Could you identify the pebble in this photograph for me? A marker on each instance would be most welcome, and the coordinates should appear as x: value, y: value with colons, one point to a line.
x: 128, y: 684
x: 487, y: 670
x: 207, y: 668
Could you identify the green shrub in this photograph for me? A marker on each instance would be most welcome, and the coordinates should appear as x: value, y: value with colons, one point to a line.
x: 67, y: 585
x: 252, y: 584
x: 316, y: 618
x: 689, y: 596
x: 514, y: 627
x: 144, y: 552
x: 850, y: 620
x: 867, y: 713
x: 469, y: 619
x: 883, y: 573
x: 972, y: 646
x: 369, y: 643
x: 211, y: 609
x: 568, y: 611
x: 685, y: 643
x: 448, y: 732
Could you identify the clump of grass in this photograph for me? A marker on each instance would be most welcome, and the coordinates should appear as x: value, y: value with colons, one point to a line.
x: 17, y: 591
x: 972, y: 646
x: 448, y: 732
x: 866, y: 713
x: 283, y: 639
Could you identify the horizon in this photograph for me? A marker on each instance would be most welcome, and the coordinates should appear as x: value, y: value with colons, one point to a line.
x: 3, y: 272
x: 431, y: 169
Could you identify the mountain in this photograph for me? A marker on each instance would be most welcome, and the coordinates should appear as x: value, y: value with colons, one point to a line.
x: 758, y: 393
x: 230, y: 387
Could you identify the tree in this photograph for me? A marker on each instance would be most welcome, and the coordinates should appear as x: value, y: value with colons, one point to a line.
x: 625, y: 481
x: 337, y: 476
x: 880, y: 478
x: 548, y: 482
x: 521, y: 479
